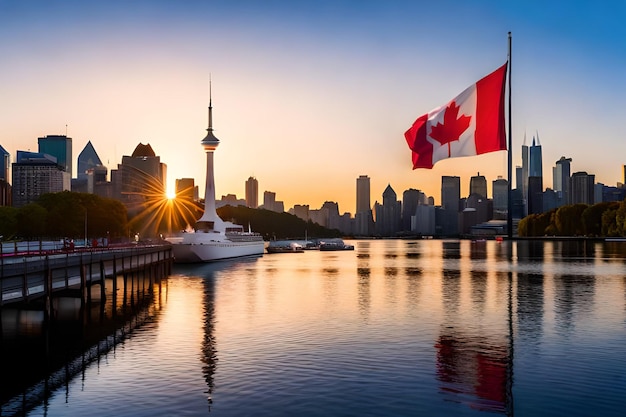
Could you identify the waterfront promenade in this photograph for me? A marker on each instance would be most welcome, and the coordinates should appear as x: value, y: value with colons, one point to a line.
x: 37, y: 270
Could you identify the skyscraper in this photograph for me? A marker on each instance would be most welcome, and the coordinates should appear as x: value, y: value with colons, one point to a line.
x: 139, y: 178
x: 363, y: 194
x: 525, y: 163
x: 561, y: 176
x: 5, y: 164
x: 88, y: 159
x: 5, y: 187
x: 59, y: 146
x: 411, y: 198
x: 500, y: 193
x: 535, y: 166
x: 478, y: 185
x: 535, y: 179
x: 388, y: 214
x: 450, y: 198
x: 363, y: 218
x: 35, y: 174
x: 582, y: 188
x: 252, y: 192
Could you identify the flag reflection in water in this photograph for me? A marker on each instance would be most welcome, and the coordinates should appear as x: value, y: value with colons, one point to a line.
x: 473, y: 370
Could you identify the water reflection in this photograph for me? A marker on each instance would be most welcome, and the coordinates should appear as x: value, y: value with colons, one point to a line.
x: 573, y: 296
x: 474, y: 352
x: 529, y: 309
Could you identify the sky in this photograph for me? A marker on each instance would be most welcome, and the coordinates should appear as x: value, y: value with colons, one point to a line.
x: 309, y: 95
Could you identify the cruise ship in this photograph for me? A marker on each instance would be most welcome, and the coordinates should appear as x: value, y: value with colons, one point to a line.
x: 213, y: 239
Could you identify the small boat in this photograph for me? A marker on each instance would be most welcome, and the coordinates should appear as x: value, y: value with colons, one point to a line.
x: 284, y: 246
x: 334, y: 244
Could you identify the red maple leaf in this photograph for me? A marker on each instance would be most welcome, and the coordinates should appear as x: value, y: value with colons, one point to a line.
x: 452, y: 128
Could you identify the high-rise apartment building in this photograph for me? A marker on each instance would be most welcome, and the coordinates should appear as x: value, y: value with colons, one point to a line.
x: 252, y: 192
x: 35, y: 174
x: 478, y: 185
x: 59, y: 146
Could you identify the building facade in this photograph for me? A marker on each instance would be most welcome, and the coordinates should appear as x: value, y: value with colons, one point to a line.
x: 252, y: 192
x: 35, y: 174
x: 450, y: 200
x: 59, y: 146
x: 364, y: 221
x: 582, y: 188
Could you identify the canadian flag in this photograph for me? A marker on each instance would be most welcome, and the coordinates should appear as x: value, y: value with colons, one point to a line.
x: 471, y: 124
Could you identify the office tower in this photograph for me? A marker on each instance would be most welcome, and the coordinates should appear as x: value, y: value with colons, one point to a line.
x: 519, y: 178
x: 5, y: 164
x: 500, y: 193
x: 363, y: 194
x: 535, y: 195
x: 5, y: 187
x: 534, y: 198
x: 140, y: 178
x: 478, y: 185
x: 525, y: 168
x: 364, y: 222
x: 252, y: 192
x: 582, y: 188
x: 59, y: 146
x: 450, y: 192
x: 410, y: 200
x: 535, y: 165
x: 388, y: 214
x: 35, y: 174
x: 89, y: 159
x: 450, y: 198
x: 561, y: 175
x: 186, y: 189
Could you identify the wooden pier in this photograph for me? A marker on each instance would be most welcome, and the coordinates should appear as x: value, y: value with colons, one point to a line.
x: 30, y: 277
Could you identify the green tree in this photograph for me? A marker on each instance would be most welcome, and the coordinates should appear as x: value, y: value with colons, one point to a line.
x: 568, y: 220
x: 609, y: 224
x: 8, y: 222
x: 592, y: 217
x: 31, y: 221
x: 74, y: 214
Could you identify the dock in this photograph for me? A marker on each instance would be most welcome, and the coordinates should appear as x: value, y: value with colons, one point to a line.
x: 43, y: 273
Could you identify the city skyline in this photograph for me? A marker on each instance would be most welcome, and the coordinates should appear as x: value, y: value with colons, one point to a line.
x: 308, y: 96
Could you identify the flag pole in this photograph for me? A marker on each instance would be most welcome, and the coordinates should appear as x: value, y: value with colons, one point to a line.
x: 509, y: 219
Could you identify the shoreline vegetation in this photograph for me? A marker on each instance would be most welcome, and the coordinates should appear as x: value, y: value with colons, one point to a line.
x: 78, y: 215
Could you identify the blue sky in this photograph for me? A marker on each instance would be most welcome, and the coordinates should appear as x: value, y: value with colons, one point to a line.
x: 308, y: 95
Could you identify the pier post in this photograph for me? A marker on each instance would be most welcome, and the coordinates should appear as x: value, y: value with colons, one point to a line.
x: 85, y: 296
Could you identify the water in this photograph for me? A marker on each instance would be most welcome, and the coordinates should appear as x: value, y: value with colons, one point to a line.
x: 396, y: 327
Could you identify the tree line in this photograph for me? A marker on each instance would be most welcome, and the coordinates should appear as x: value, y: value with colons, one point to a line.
x: 77, y: 215
x: 64, y: 214
x: 606, y: 219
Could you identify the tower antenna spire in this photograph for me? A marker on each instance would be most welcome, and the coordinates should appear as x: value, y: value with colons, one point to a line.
x: 210, y: 128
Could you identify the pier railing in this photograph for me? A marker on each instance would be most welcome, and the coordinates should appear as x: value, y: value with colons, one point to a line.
x: 31, y: 272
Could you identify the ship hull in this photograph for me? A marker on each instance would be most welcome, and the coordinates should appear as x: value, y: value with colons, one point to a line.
x: 215, y: 250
